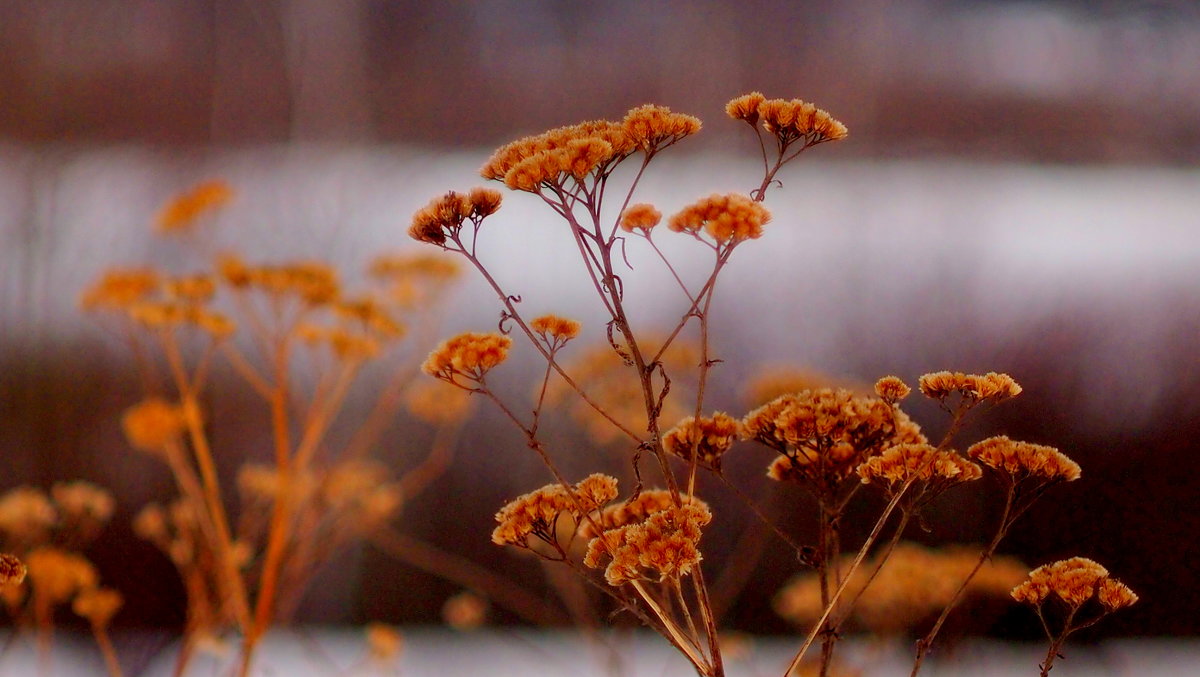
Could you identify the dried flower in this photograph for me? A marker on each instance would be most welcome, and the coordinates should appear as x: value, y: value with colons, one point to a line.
x: 470, y: 355
x: 444, y: 216
x: 57, y: 575
x: 83, y: 500
x: 635, y: 510
x: 903, y: 463
x: 98, y: 605
x: 726, y: 218
x: 1024, y: 459
x: 664, y: 546
x: 891, y: 389
x: 1075, y: 581
x: 795, y: 120
x: 120, y: 288
x: 465, y: 611
x: 26, y: 514
x: 153, y: 424
x: 652, y: 127
x: 972, y: 387
x: 12, y: 570
x: 745, y: 107
x: 823, y: 435
x: 710, y: 437
x: 555, y: 330
x: 640, y: 216
x: 184, y: 209
x: 537, y: 513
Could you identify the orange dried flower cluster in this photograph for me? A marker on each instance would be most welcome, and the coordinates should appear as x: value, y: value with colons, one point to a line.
x: 917, y: 462
x: 710, y: 437
x: 56, y: 575
x: 594, y: 147
x: 635, y: 510
x: 153, y: 424
x: 120, y: 288
x: 789, y: 120
x: 315, y: 282
x: 184, y: 209
x: 1075, y: 581
x: 823, y: 435
x: 726, y: 218
x: 537, y: 513
x: 891, y: 389
x: 664, y: 546
x: 12, y: 570
x: 444, y: 216
x: 414, y: 279
x: 98, y: 605
x: 640, y: 216
x: 1024, y: 459
x: 973, y: 387
x: 911, y: 588
x: 470, y: 355
x: 435, y: 403
x: 555, y: 329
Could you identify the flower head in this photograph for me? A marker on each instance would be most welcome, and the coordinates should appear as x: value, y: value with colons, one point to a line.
x: 120, y: 288
x: 537, y: 513
x: 973, y: 387
x: 725, y: 218
x: 745, y: 107
x: 709, y: 437
x: 469, y: 355
x: 1074, y: 581
x: 905, y: 463
x: 184, y: 209
x: 1024, y: 459
x: 796, y: 120
x: 891, y: 389
x: 641, y: 217
x: 664, y: 546
x: 444, y: 216
x: 12, y: 570
x: 555, y: 330
x: 98, y: 605
x: 153, y: 424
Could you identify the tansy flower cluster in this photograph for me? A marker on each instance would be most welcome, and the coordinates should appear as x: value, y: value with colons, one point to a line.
x: 444, y: 216
x: 972, y: 387
x: 1074, y: 581
x: 905, y: 463
x: 470, y: 355
x: 186, y: 208
x: 640, y: 216
x: 555, y: 330
x: 537, y: 513
x: 725, y: 218
x: 710, y: 438
x: 1024, y: 460
x: 664, y: 546
x: 789, y: 120
x: 590, y: 148
x: 634, y: 510
x: 823, y: 435
x: 913, y: 585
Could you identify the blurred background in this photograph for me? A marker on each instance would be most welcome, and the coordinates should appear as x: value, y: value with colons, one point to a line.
x: 1020, y: 192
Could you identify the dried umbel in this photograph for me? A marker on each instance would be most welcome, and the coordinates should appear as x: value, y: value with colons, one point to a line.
x: 1022, y: 460
x: 119, y: 288
x: 891, y: 389
x: 1074, y: 582
x: 98, y: 605
x: 153, y: 424
x: 709, y: 438
x: 971, y: 387
x: 912, y: 586
x: 823, y: 435
x: 589, y: 149
x: 57, y: 575
x: 727, y: 219
x: 26, y: 515
x: 635, y: 510
x: 12, y: 570
x: 186, y: 208
x: 640, y: 217
x: 904, y: 464
x: 469, y: 355
x: 664, y: 546
x: 555, y: 330
x: 537, y: 513
x: 789, y: 120
x: 444, y: 216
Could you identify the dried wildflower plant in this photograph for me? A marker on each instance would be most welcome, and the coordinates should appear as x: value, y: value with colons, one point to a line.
x: 1070, y: 595
x: 302, y: 342
x: 645, y: 551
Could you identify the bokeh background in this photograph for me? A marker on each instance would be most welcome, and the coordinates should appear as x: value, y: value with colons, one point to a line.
x: 1020, y: 192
